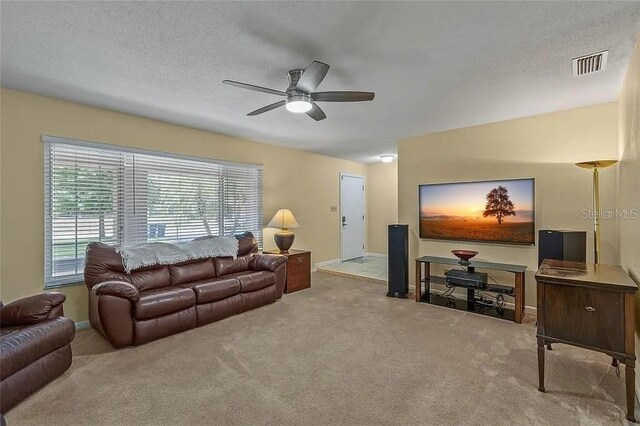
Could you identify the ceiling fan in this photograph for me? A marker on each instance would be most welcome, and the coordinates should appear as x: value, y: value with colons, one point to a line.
x: 300, y: 95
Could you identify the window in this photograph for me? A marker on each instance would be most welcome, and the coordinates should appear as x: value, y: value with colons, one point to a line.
x: 95, y: 192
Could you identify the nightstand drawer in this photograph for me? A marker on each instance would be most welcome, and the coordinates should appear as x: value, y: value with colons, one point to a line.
x: 298, y: 281
x: 299, y: 263
x: 585, y: 316
x: 298, y: 272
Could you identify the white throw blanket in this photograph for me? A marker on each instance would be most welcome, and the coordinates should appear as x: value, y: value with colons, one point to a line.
x: 165, y: 253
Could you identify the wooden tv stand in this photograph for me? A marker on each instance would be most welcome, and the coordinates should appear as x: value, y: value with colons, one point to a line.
x: 423, y: 276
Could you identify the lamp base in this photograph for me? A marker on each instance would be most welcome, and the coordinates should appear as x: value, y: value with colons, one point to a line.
x: 284, y: 240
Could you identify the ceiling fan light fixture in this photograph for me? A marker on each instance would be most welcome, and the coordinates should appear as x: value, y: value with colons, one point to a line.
x: 300, y: 96
x: 298, y: 106
x: 298, y: 103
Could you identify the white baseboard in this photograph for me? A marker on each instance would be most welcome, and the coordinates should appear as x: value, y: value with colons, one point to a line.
x: 375, y: 255
x: 82, y: 325
x: 325, y: 263
x: 332, y: 261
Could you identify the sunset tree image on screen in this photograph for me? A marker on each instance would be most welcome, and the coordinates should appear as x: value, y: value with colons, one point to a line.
x: 496, y: 211
x: 499, y: 204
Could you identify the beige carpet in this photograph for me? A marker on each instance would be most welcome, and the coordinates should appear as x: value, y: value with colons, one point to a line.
x: 338, y: 353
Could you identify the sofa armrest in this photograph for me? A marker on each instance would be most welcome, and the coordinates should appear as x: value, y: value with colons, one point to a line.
x: 117, y: 288
x: 267, y: 262
x: 32, y: 309
x: 111, y: 311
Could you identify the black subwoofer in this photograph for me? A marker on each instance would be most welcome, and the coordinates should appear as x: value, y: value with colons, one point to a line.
x: 398, y: 254
x: 562, y: 245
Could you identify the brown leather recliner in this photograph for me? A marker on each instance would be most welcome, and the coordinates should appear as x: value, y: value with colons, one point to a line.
x: 34, y: 345
x: 155, y: 302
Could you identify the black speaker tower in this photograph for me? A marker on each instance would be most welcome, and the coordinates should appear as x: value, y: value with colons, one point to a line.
x: 562, y: 245
x: 398, y: 261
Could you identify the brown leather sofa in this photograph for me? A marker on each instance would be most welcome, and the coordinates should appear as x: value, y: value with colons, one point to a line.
x: 151, y: 303
x: 34, y: 346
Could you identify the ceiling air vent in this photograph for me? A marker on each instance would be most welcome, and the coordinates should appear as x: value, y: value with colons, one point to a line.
x: 590, y: 64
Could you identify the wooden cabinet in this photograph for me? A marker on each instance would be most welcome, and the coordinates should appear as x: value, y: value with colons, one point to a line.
x: 587, y: 317
x: 590, y: 306
x: 298, y: 270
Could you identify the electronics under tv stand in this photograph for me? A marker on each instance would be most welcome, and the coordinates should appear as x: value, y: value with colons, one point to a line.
x: 475, y: 286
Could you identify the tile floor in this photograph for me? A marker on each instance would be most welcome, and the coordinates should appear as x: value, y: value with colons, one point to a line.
x: 372, y: 267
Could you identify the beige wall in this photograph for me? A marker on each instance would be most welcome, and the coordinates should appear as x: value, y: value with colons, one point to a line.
x: 544, y: 147
x: 629, y: 172
x: 382, y: 204
x: 303, y: 182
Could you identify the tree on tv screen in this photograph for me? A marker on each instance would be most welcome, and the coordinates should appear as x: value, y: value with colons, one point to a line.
x: 499, y: 204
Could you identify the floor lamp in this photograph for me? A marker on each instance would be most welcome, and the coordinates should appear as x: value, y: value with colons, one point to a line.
x: 595, y: 166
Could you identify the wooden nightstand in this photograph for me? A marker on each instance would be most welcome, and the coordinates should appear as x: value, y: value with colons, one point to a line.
x: 298, y: 269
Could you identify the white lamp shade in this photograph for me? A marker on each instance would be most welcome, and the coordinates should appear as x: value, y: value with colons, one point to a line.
x: 283, y: 219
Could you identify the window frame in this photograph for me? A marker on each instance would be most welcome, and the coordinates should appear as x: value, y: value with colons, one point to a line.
x: 51, y: 281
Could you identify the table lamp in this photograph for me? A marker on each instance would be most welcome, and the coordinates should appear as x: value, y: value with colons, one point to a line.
x: 595, y: 166
x: 284, y: 220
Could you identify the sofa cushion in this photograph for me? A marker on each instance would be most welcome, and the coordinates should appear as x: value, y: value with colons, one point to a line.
x: 155, y: 328
x: 162, y: 301
x: 148, y: 278
x: 213, y: 289
x: 229, y: 265
x: 193, y: 271
x: 24, y: 345
x: 252, y: 281
x: 254, y: 299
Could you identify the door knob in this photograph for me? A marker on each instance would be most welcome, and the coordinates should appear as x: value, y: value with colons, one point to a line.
x: 590, y: 309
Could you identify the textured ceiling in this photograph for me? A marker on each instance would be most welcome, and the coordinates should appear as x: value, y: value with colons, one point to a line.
x: 433, y: 66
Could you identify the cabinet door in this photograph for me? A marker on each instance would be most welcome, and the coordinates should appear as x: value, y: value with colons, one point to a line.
x: 589, y: 317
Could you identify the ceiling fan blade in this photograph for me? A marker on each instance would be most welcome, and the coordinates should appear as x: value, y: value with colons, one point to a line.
x: 267, y: 108
x: 254, y: 88
x: 312, y: 76
x: 342, y: 96
x: 316, y: 113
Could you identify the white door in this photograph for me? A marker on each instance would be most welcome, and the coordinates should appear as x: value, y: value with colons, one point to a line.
x: 352, y: 215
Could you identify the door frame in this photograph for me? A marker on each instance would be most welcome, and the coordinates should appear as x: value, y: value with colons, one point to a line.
x: 364, y: 210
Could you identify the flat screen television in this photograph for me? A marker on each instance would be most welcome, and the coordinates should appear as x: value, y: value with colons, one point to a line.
x: 495, y: 211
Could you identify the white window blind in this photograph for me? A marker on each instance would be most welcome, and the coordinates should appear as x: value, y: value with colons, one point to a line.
x: 95, y: 192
